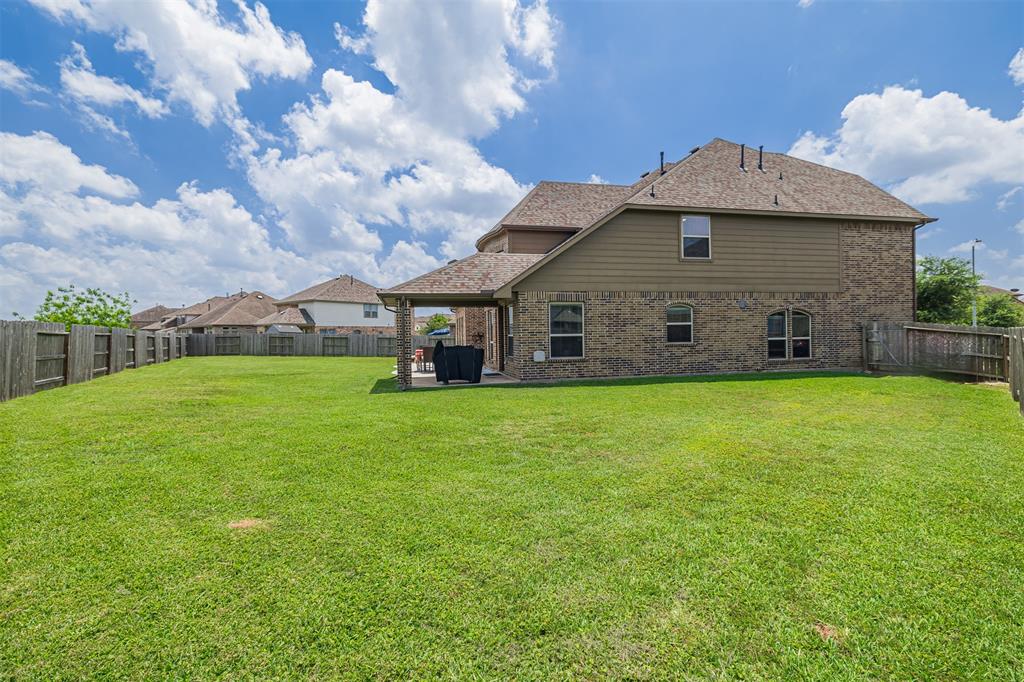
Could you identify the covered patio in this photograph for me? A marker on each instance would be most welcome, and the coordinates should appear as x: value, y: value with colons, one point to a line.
x: 467, y: 283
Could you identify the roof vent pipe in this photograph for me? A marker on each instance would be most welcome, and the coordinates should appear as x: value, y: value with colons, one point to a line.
x: 652, y: 190
x: 776, y: 202
x: 743, y: 165
x: 780, y: 175
x: 663, y: 163
x: 760, y: 158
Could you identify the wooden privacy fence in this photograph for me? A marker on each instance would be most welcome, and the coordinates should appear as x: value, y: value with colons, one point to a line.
x: 1015, y: 354
x: 366, y: 345
x: 35, y: 356
x: 993, y: 353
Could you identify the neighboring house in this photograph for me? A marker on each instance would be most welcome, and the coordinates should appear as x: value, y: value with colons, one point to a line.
x: 173, y: 318
x: 287, y: 320
x: 144, y: 318
x: 724, y: 261
x: 240, y: 313
x: 421, y: 321
x: 1015, y: 294
x: 342, y: 305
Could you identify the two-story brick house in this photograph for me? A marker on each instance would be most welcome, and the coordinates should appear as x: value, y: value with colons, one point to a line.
x: 728, y: 260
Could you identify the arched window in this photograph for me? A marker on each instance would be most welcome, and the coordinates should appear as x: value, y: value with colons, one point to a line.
x: 680, y: 323
x: 789, y: 335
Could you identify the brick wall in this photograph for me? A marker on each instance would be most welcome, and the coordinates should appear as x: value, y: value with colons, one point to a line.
x: 470, y: 326
x: 625, y: 333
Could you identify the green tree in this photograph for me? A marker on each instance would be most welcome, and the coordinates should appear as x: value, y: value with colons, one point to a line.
x: 72, y: 305
x: 1000, y: 310
x: 945, y: 289
x: 436, y: 321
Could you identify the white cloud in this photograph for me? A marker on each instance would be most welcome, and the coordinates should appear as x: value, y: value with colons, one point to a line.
x: 41, y: 163
x: 67, y: 221
x: 82, y: 84
x: 194, y: 54
x: 804, y: 3
x: 928, y: 233
x: 965, y: 247
x: 1008, y: 197
x: 461, y: 66
x: 1016, y: 68
x: 366, y: 160
x: 924, y: 149
x: 596, y: 179
x: 17, y: 80
x: 1019, y: 226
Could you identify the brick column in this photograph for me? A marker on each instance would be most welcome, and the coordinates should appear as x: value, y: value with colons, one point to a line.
x: 403, y: 344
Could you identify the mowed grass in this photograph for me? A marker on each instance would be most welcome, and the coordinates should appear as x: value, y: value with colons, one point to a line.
x: 294, y: 517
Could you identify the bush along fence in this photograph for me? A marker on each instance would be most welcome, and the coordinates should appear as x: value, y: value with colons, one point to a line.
x: 35, y: 356
x: 366, y: 345
x: 985, y: 353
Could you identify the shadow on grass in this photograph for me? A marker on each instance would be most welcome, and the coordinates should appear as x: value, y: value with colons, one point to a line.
x: 390, y: 385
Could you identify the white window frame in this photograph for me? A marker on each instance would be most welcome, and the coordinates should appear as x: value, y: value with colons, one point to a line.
x: 789, y: 338
x: 682, y: 237
x: 792, y: 338
x: 679, y: 324
x: 784, y: 338
x: 509, y: 327
x: 582, y: 334
x: 371, y: 311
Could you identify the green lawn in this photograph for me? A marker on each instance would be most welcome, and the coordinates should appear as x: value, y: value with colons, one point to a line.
x: 778, y: 527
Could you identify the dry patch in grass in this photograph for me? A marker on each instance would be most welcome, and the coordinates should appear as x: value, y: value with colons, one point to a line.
x: 246, y: 524
x: 828, y: 633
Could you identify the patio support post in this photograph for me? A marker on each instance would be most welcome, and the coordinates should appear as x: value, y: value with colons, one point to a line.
x: 403, y: 344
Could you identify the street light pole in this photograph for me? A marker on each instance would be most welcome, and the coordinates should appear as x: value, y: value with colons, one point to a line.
x: 974, y: 296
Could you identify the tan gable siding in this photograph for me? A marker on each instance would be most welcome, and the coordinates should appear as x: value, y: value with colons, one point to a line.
x: 535, y: 241
x: 638, y: 250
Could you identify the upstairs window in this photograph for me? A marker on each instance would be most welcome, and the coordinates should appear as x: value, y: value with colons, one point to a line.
x: 789, y: 338
x: 370, y: 310
x: 566, y: 330
x: 680, y: 324
x: 695, y: 237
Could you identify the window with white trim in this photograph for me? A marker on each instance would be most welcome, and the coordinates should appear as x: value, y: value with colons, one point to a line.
x: 679, y: 323
x: 789, y: 335
x: 800, y: 335
x: 509, y: 315
x: 370, y: 310
x: 777, y: 336
x: 566, y: 330
x: 695, y: 237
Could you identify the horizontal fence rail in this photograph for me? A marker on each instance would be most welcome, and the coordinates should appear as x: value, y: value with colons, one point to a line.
x: 35, y: 356
x: 989, y: 353
x: 364, y: 345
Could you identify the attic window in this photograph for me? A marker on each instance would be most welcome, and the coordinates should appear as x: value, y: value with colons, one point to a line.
x: 695, y: 237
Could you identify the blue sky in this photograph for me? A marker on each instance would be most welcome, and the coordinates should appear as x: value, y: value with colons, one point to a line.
x: 178, y: 151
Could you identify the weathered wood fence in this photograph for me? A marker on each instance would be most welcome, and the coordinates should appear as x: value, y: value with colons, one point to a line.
x: 1016, y: 360
x: 366, y: 345
x: 992, y: 353
x: 35, y: 356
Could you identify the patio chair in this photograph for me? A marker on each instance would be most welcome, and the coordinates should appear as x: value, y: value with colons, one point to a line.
x: 425, y: 359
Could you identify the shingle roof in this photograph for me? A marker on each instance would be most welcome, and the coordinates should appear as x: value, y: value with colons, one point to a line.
x: 208, y: 305
x: 479, y: 273
x: 245, y: 311
x: 341, y: 289
x: 290, y: 315
x: 153, y: 314
x: 561, y: 205
x: 711, y: 178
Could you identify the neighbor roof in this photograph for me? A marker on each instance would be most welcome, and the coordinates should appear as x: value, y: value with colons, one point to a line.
x: 1015, y: 295
x: 341, y: 289
x: 711, y: 178
x: 292, y: 315
x: 245, y: 311
x: 478, y: 274
x: 208, y: 305
x: 153, y: 314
